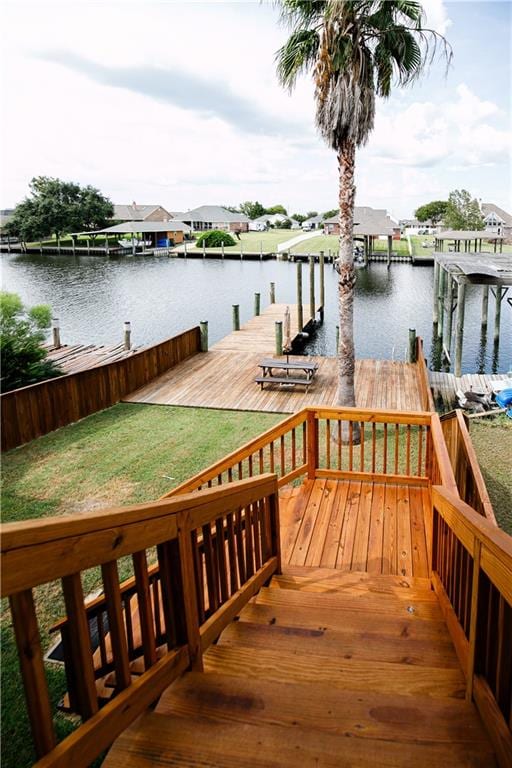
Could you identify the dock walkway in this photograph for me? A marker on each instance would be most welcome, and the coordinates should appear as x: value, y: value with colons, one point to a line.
x: 72, y: 358
x: 445, y: 385
x: 224, y: 376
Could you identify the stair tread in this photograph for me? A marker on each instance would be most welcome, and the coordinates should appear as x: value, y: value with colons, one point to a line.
x: 164, y: 740
x: 350, y: 674
x: 316, y: 617
x: 392, y: 717
x: 341, y: 645
x: 362, y: 601
x: 330, y: 579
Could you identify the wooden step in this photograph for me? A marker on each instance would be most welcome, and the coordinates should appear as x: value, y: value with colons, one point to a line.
x: 348, y: 674
x: 166, y: 740
x: 332, y: 580
x: 369, y: 646
x: 315, y: 617
x: 373, y: 605
x: 365, y: 715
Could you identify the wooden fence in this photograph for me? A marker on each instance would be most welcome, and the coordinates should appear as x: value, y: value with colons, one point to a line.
x: 35, y: 410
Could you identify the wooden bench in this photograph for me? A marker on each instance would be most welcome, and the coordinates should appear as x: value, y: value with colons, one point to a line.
x: 283, y: 380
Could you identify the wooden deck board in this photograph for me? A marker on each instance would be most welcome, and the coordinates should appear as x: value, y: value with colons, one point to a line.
x: 356, y: 526
x: 224, y: 377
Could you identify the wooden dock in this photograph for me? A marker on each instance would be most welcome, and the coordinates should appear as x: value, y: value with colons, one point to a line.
x: 445, y: 385
x: 224, y: 377
x: 72, y: 358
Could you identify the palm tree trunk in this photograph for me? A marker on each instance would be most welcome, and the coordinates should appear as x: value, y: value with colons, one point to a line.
x: 347, y: 275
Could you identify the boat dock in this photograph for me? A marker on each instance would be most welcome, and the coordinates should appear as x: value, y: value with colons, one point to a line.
x: 72, y: 358
x: 445, y: 385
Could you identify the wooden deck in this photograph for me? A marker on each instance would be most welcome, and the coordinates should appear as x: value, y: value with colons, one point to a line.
x: 224, y: 377
x: 356, y: 526
x: 445, y: 385
x: 72, y: 358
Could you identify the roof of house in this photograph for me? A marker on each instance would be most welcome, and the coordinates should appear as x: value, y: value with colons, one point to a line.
x: 314, y: 220
x: 213, y: 213
x: 488, y: 208
x: 173, y: 225
x: 136, y: 212
x: 369, y: 221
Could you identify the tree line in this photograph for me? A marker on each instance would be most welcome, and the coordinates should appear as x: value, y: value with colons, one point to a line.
x: 461, y: 211
x: 255, y: 209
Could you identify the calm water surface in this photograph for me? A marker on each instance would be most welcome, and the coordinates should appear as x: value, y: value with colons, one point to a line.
x: 162, y: 296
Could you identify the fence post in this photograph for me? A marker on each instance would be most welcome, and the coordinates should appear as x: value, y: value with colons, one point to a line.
x: 257, y: 298
x: 203, y: 325
x: 279, y: 337
x: 312, y: 442
x: 56, y: 332
x: 236, y: 317
x: 127, y: 335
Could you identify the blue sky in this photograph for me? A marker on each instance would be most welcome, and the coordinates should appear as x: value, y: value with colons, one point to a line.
x: 177, y: 103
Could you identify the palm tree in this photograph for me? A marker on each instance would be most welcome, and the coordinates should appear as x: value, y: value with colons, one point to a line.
x: 356, y: 50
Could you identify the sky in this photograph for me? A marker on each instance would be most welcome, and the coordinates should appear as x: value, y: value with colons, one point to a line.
x: 178, y: 104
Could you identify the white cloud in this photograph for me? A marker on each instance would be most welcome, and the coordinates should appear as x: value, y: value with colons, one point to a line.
x: 437, y: 15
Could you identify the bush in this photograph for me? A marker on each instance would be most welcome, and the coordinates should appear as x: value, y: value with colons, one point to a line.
x: 22, y: 332
x: 286, y: 224
x: 214, y: 239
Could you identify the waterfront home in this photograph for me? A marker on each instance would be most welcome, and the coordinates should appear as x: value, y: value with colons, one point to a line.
x: 367, y: 221
x: 213, y: 217
x: 496, y: 220
x: 136, y: 212
x: 314, y: 222
x: 155, y: 234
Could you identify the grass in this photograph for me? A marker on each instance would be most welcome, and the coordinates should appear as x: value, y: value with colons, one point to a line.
x: 126, y: 454
x: 251, y: 241
x: 493, y: 445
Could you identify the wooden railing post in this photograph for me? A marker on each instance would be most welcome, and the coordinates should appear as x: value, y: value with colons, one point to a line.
x: 312, y: 445
x: 275, y: 529
x: 189, y: 593
x: 474, y: 619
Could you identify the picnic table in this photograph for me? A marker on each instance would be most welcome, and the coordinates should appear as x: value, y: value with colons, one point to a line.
x: 296, y: 367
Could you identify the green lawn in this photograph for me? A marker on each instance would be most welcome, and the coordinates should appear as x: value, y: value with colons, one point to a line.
x: 493, y: 445
x: 331, y: 243
x: 126, y: 454
x: 251, y: 241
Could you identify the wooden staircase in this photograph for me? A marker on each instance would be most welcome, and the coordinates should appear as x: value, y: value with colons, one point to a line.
x: 321, y: 668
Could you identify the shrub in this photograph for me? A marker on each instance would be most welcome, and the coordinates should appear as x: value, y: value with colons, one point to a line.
x: 22, y: 332
x: 214, y: 238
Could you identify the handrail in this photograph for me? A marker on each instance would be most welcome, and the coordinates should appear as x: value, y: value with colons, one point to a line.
x: 472, y: 576
x: 423, y: 380
x: 470, y: 481
x: 215, y: 549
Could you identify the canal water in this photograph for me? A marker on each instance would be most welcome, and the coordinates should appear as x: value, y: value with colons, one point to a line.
x: 162, y: 296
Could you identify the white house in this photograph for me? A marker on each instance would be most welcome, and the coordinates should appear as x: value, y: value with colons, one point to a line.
x: 273, y: 220
x: 315, y: 222
x: 496, y: 220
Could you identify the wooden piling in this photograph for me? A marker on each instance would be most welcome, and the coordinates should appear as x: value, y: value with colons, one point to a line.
x: 204, y: 249
x: 257, y: 301
x: 412, y: 345
x: 127, y: 335
x: 485, y: 305
x: 447, y: 331
x: 241, y: 251
x: 203, y: 325
x: 337, y: 339
x: 56, y: 332
x: 322, y: 280
x: 272, y: 293
x: 279, y: 337
x: 459, y: 326
x: 222, y: 248
x: 440, y: 302
x: 300, y: 314
x: 185, y: 248
x: 497, y: 314
x: 261, y: 250
x: 236, y: 317
x: 435, y: 308
x: 312, y: 307
x: 390, y: 243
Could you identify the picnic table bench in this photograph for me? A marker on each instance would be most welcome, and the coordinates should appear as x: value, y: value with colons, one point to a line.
x: 269, y: 365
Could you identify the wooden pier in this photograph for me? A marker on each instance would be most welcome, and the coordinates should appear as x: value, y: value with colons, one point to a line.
x: 445, y: 385
x: 224, y: 376
x: 72, y: 358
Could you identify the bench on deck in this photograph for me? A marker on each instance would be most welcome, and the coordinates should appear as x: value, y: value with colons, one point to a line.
x: 283, y: 380
x: 269, y: 364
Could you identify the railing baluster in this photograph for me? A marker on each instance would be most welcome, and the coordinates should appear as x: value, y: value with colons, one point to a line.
x: 385, y: 450
x: 250, y: 466
x: 328, y: 444
x: 473, y: 619
x: 339, y: 445
x: 397, y: 446
x: 116, y: 627
x: 408, y: 450
x: 249, y: 551
x: 101, y: 638
x: 257, y: 530
x: 350, y: 447
x: 240, y: 470
x: 140, y: 569
x: 127, y: 599
x: 30, y: 655
x: 199, y: 574
x: 282, y: 456
x: 166, y: 577
x: 230, y: 528
x: 271, y: 454
x: 240, y: 546
x: 80, y: 646
x: 186, y: 593
x: 262, y: 463
x: 361, y: 433
x: 211, y: 582
x: 374, y: 445
x: 294, y: 448
x: 304, y: 442
x: 420, y: 450
x: 221, y: 558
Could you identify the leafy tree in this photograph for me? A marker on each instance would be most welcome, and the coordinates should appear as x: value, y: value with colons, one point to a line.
x: 214, y: 238
x: 22, y: 332
x: 355, y: 51
x: 311, y: 214
x: 330, y: 214
x: 285, y: 224
x: 231, y: 208
x: 433, y: 211
x: 463, y: 211
x: 56, y: 207
x: 252, y: 210
x: 277, y: 209
x: 299, y: 217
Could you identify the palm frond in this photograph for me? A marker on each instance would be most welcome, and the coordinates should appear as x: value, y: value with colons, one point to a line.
x: 297, y: 55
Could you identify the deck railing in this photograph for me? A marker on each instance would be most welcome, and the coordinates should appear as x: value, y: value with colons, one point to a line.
x: 339, y: 443
x: 214, y: 550
x: 472, y: 576
x: 470, y: 481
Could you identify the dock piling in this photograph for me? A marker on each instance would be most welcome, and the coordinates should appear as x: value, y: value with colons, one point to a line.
x: 261, y: 250
x: 127, y: 334
x: 435, y: 292
x: 485, y: 305
x: 236, y: 317
x: 459, y: 326
x: 322, y: 285
x: 222, y: 248
x: 497, y: 314
x: 300, y: 314
x: 412, y: 345
x: 257, y: 302
x: 204, y: 249
x: 203, y: 325
x: 312, y: 307
x: 337, y: 339
x: 56, y: 332
x: 272, y: 293
x: 279, y: 337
